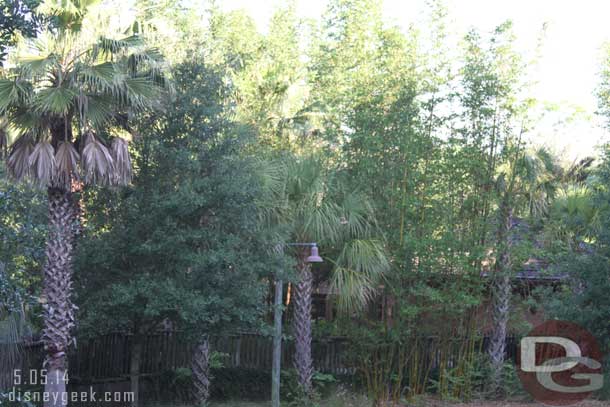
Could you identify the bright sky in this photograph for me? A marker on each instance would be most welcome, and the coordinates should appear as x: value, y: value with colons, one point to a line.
x: 566, y: 73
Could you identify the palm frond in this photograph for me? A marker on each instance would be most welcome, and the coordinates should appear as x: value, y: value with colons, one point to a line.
x: 97, y: 162
x: 66, y: 160
x: 57, y: 100
x: 13, y: 92
x: 111, y: 46
x: 140, y: 91
x: 23, y: 120
x: 321, y: 222
x: 19, y: 160
x: 357, y: 215
x: 122, y: 161
x: 98, y: 110
x: 42, y: 163
x: 147, y: 58
x: 100, y: 76
x: 13, y: 329
x: 359, y: 270
x: 38, y: 65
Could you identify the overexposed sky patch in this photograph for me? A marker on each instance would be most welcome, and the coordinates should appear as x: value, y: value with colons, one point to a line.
x: 565, y: 75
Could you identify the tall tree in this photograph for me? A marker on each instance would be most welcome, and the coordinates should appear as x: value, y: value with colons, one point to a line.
x: 312, y: 205
x: 525, y: 187
x: 182, y: 244
x: 68, y: 96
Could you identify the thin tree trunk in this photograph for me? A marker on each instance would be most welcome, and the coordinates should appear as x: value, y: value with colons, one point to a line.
x: 497, y: 346
x: 134, y: 369
x: 58, y: 309
x: 501, y: 293
x: 303, y: 362
x: 200, y: 366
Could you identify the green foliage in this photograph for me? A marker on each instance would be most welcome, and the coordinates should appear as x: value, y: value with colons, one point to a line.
x: 401, y: 154
x: 23, y: 230
x: 240, y: 383
x: 18, y: 17
x: 603, y: 90
x: 292, y: 392
x: 185, y: 242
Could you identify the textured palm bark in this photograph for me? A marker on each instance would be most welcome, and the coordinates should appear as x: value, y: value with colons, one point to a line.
x: 303, y: 362
x: 501, y: 293
x: 58, y: 310
x: 497, y: 346
x: 200, y: 367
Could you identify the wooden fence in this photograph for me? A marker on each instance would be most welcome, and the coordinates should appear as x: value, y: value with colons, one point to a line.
x: 107, y: 357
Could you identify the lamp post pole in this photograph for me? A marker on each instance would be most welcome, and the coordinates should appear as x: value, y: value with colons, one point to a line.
x: 276, y: 365
x: 277, y: 344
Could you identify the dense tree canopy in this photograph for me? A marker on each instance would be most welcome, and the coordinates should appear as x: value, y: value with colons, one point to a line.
x: 408, y: 156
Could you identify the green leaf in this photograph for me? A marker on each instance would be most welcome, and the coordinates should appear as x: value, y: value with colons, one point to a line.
x: 38, y: 64
x: 101, y: 76
x: 110, y: 46
x: 140, y: 92
x: 56, y: 100
x: 99, y: 110
x: 13, y: 92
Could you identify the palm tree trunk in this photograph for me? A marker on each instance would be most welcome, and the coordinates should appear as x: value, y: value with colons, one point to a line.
x: 497, y: 346
x: 501, y: 292
x: 302, y: 326
x: 201, y: 372
x: 58, y: 309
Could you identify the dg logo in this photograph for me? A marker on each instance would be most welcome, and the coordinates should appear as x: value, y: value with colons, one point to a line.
x: 559, y: 363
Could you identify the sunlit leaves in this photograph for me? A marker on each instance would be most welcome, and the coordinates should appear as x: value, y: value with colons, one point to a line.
x: 13, y: 92
x: 110, y: 46
x: 100, y: 76
x: 58, y: 100
x: 38, y: 65
x: 70, y: 81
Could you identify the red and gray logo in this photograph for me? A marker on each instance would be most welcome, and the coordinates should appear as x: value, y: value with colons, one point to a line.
x: 559, y: 363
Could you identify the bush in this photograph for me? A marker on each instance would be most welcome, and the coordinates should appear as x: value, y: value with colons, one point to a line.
x: 241, y: 383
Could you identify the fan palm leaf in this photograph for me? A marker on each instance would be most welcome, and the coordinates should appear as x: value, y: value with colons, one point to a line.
x: 66, y: 160
x: 359, y: 269
x: 82, y: 77
x: 19, y: 160
x: 42, y: 162
x: 97, y: 163
x: 122, y: 161
x: 13, y: 92
x: 311, y: 206
x: 56, y: 100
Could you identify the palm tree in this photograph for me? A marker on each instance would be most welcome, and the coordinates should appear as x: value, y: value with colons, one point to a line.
x: 311, y: 205
x: 68, y: 97
x: 525, y: 185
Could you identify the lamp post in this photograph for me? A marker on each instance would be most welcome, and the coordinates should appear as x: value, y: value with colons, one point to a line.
x: 313, y: 257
